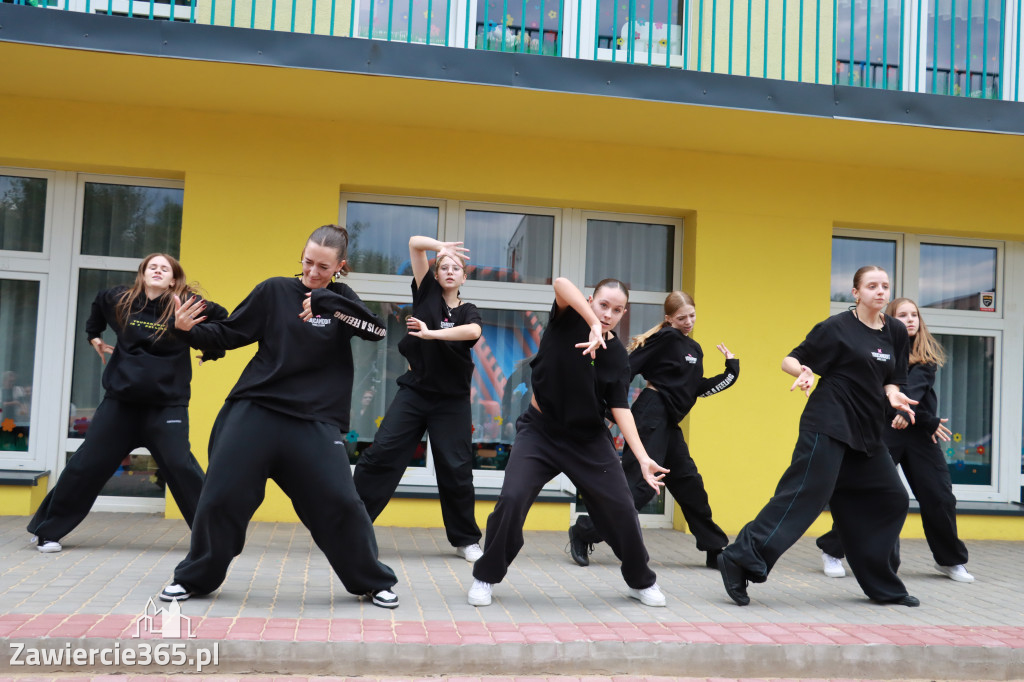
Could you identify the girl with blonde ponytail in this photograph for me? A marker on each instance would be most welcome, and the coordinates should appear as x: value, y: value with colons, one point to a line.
x: 673, y: 364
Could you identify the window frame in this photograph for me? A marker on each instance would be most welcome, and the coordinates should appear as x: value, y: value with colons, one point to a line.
x: 25, y: 258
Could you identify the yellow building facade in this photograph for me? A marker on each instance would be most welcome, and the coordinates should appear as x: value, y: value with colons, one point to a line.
x: 755, y: 198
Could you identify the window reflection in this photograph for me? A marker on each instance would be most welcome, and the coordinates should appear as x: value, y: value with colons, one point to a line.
x: 413, y: 21
x: 19, y: 308
x: 868, y: 38
x: 532, y: 27
x: 954, y: 277
x: 639, y: 254
x: 641, y: 30
x: 379, y: 235
x: 22, y: 213
x: 849, y: 255
x: 131, y: 221
x: 510, y: 247
x: 963, y: 52
x: 964, y: 386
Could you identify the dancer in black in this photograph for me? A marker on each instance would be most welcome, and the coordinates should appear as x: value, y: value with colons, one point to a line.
x: 673, y: 364
x: 145, y: 404
x: 284, y: 420
x: 840, y: 458
x: 564, y: 431
x: 915, y: 448
x: 433, y: 397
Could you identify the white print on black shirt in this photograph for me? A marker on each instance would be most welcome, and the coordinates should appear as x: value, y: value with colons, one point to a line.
x: 690, y: 359
x: 880, y: 356
x: 361, y: 324
x: 447, y: 325
x: 319, y: 321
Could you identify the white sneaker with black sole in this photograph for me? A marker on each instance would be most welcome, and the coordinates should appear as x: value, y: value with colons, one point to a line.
x: 386, y: 599
x: 175, y: 592
x: 958, y: 573
x: 833, y: 566
x: 470, y: 552
x: 479, y: 594
x: 649, y: 596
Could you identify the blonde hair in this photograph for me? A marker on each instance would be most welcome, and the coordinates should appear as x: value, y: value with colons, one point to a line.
x: 924, y: 348
x: 673, y: 302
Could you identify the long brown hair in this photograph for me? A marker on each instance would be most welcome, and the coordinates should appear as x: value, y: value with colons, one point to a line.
x: 673, y: 302
x: 126, y: 303
x: 924, y: 348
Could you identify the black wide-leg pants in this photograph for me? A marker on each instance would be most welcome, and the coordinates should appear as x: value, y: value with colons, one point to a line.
x: 308, y: 460
x: 117, y: 428
x: 928, y: 476
x: 664, y: 442
x: 868, y: 502
x: 538, y: 455
x: 449, y: 424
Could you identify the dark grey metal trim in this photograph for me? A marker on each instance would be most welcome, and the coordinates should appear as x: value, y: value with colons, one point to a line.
x: 30, y: 25
x: 19, y: 477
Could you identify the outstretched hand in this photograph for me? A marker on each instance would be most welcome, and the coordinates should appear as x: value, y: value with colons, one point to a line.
x: 653, y: 473
x: 596, y: 339
x: 804, y: 381
x: 189, y: 313
x: 102, y: 348
x: 417, y: 327
x: 942, y: 433
x: 453, y: 249
x: 899, y: 401
x: 725, y: 351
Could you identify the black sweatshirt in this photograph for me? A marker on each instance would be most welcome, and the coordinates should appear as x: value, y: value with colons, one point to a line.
x: 572, y: 390
x: 435, y: 366
x: 854, y: 362
x: 920, y: 387
x: 143, y: 368
x: 673, y: 363
x: 302, y: 369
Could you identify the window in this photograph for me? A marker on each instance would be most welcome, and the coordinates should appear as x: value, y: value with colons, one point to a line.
x: 121, y: 221
x: 516, y: 252
x: 958, y: 284
x: 868, y: 43
x: 962, y: 55
x: 958, y: 277
x: 532, y: 27
x: 411, y: 21
x: 22, y: 213
x: 19, y: 311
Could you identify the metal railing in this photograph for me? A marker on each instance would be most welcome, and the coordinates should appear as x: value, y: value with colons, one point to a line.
x: 968, y: 48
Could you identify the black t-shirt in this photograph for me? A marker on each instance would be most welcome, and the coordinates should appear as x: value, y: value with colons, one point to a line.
x: 572, y: 390
x: 302, y: 369
x: 150, y: 365
x: 444, y: 367
x: 673, y: 363
x: 854, y: 363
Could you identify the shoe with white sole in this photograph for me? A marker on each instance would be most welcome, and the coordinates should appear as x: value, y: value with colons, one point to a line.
x: 479, y: 594
x: 47, y: 546
x: 957, y: 573
x: 649, y: 596
x: 386, y: 599
x: 175, y: 592
x: 833, y: 566
x: 470, y: 552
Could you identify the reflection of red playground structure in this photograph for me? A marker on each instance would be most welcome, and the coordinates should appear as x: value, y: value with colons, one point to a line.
x: 500, y: 348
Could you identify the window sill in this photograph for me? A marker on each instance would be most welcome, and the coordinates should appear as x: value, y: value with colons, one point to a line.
x: 18, y: 477
x: 429, y: 492
x: 980, y: 508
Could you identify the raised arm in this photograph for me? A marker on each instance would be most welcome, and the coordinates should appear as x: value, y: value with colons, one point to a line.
x: 244, y: 325
x: 712, y: 385
x: 568, y: 296
x: 343, y: 304
x: 462, y: 332
x: 418, y: 247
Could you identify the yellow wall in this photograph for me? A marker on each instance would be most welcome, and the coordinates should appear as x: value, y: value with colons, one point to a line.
x: 22, y: 500
x: 757, y: 233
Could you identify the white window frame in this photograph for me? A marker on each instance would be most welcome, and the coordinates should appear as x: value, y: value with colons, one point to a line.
x: 78, y: 262
x: 569, y: 260
x: 1004, y: 325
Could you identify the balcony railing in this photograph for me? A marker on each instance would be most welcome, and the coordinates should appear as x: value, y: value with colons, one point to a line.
x: 966, y: 48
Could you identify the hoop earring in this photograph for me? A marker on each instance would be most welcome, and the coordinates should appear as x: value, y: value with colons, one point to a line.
x: 335, y: 276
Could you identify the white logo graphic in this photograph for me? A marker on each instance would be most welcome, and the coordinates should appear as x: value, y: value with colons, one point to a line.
x: 173, y: 625
x: 690, y: 359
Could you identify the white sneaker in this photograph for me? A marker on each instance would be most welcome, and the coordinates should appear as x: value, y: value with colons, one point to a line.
x: 470, y: 552
x: 386, y: 599
x: 957, y: 573
x: 833, y: 566
x: 175, y: 592
x: 479, y: 594
x: 46, y: 546
x: 649, y: 596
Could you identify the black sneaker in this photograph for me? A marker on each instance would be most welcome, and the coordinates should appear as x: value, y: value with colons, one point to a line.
x: 175, y: 592
x: 578, y: 549
x: 386, y: 599
x: 734, y: 579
